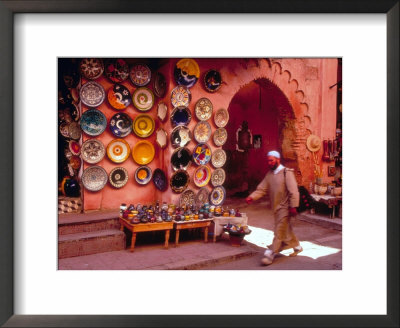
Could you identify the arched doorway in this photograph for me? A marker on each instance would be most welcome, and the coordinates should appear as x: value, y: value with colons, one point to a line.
x: 269, y: 116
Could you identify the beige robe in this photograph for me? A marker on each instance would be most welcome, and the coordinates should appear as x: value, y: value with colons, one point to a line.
x: 282, y: 195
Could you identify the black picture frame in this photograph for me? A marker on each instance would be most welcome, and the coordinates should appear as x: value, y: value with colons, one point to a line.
x: 7, y: 11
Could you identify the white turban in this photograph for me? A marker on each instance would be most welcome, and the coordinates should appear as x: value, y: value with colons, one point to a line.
x: 274, y: 153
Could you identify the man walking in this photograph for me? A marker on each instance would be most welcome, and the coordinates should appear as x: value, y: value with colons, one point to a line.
x: 280, y: 183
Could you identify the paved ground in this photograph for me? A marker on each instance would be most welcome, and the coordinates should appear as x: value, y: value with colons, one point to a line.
x: 322, y: 249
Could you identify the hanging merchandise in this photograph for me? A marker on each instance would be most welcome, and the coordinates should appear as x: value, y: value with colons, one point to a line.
x: 140, y: 74
x: 218, y: 158
x: 143, y: 99
x: 201, y: 154
x: 160, y: 180
x: 160, y: 85
x: 203, y: 109
x: 187, y: 198
x: 180, y: 96
x: 202, y: 176
x: 218, y: 177
x: 116, y: 70
x: 221, y: 117
x: 217, y: 196
x: 143, y: 125
x: 212, y: 80
x: 119, y: 97
x: 181, y: 159
x: 75, y: 162
x: 118, y: 177
x: 202, y: 197
x: 94, y: 178
x: 186, y: 72
x: 74, y: 130
x: 162, y: 111
x: 120, y: 125
x: 202, y: 132
x: 93, y: 122
x: 92, y: 94
x: 92, y: 151
x: 220, y: 136
x: 161, y: 138
x: 180, y: 136
x: 64, y: 129
x: 143, y: 152
x: 74, y: 147
x: 91, y: 68
x: 118, y: 150
x: 179, y: 181
x: 180, y: 116
x: 70, y: 187
x: 143, y: 175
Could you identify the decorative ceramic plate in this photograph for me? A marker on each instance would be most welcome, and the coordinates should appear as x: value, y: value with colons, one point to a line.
x: 118, y: 150
x: 203, y: 109
x: 162, y: 111
x: 160, y: 85
x: 218, y: 177
x: 202, y: 132
x: 181, y: 159
x: 140, y: 74
x: 220, y: 136
x: 218, y: 158
x: 116, y: 70
x: 64, y: 129
x: 91, y: 68
x: 118, y: 177
x: 217, y: 196
x: 92, y: 151
x: 74, y: 130
x: 180, y: 116
x: 75, y: 162
x: 143, y: 152
x: 94, y: 178
x: 92, y: 94
x: 120, y: 125
x: 221, y: 117
x: 180, y: 136
x: 212, y: 80
x: 180, y: 96
x: 143, y: 175
x: 201, y: 154
x: 143, y: 99
x: 179, y: 181
x: 143, y: 125
x: 74, y: 147
x: 202, y: 176
x: 160, y: 179
x: 119, y: 96
x: 162, y: 138
x: 93, y: 122
x: 187, y: 198
x: 202, y: 196
x: 186, y: 72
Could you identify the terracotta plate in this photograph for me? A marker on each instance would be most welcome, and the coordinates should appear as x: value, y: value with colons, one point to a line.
x: 75, y: 162
x: 91, y: 68
x: 119, y: 96
x: 202, y: 196
x: 118, y: 177
x: 120, y: 125
x: 94, y: 178
x: 116, y: 70
x: 179, y: 181
x: 212, y: 80
x: 92, y: 151
x: 118, y: 150
x: 181, y: 158
x: 217, y: 196
x: 220, y: 136
x: 140, y: 74
x: 180, y: 116
x: 143, y: 99
x: 162, y: 111
x: 221, y: 117
x: 202, y: 176
x: 218, y: 158
x: 143, y: 125
x: 160, y: 179
x: 187, y: 198
x: 202, y: 132
x: 74, y: 147
x: 186, y: 72
x: 203, y: 109
x: 218, y: 177
x: 201, y: 154
x: 93, y: 122
x: 92, y: 94
x: 143, y: 175
x: 180, y: 136
x: 143, y: 152
x: 161, y: 138
x: 180, y: 96
x: 160, y: 85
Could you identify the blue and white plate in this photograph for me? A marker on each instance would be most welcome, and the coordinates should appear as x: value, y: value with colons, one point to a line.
x: 121, y: 125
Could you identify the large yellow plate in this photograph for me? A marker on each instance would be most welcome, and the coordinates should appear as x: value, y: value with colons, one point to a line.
x: 143, y: 152
x: 143, y: 125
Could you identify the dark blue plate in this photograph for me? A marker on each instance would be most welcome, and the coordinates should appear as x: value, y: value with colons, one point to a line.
x: 180, y: 116
x: 121, y: 125
x: 160, y: 180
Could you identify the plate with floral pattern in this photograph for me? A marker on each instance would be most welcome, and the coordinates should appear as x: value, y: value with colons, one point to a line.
x: 201, y: 154
x: 218, y: 177
x: 180, y: 136
x: 92, y: 151
x: 92, y: 94
x: 143, y: 175
x: 140, y: 74
x: 180, y: 96
x: 179, y: 181
x: 218, y: 158
x: 221, y: 117
x: 202, y: 197
x: 94, y: 178
x: 160, y: 85
x: 118, y: 177
x: 202, y: 132
x: 187, y: 198
x: 203, y: 109
x: 118, y: 150
x: 186, y: 72
x: 202, y: 176
x: 143, y: 152
x: 181, y: 158
x: 220, y: 136
x: 217, y: 196
x: 143, y: 99
x: 212, y: 80
x: 119, y: 96
x: 116, y: 70
x: 91, y: 68
x: 93, y: 122
x: 180, y: 116
x: 143, y: 125
x: 120, y: 125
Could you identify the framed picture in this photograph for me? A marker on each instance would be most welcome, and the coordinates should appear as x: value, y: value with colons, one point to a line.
x: 18, y: 185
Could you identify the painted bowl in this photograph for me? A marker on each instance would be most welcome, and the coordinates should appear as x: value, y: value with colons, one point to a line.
x: 179, y: 181
x: 220, y: 136
x: 218, y: 158
x: 180, y: 136
x: 93, y: 122
x: 218, y: 177
x: 217, y: 196
x: 92, y: 151
x: 202, y: 176
x: 92, y: 94
x: 187, y: 198
x: 119, y: 97
x: 203, y: 109
x: 221, y: 117
x: 186, y: 72
x: 160, y: 179
x: 118, y: 177
x: 120, y: 125
x: 140, y: 74
x: 201, y: 154
x: 180, y: 116
x: 143, y: 152
x: 181, y: 158
x: 143, y: 175
x: 91, y: 68
x: 94, y: 178
x: 212, y: 80
x: 180, y: 96
x: 143, y: 99
x: 143, y: 125
x: 116, y: 70
x: 202, y: 132
x: 118, y: 150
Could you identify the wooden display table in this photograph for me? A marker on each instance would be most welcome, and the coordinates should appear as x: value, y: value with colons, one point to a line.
x: 141, y: 227
x: 180, y: 225
x: 330, y: 201
x: 220, y: 221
